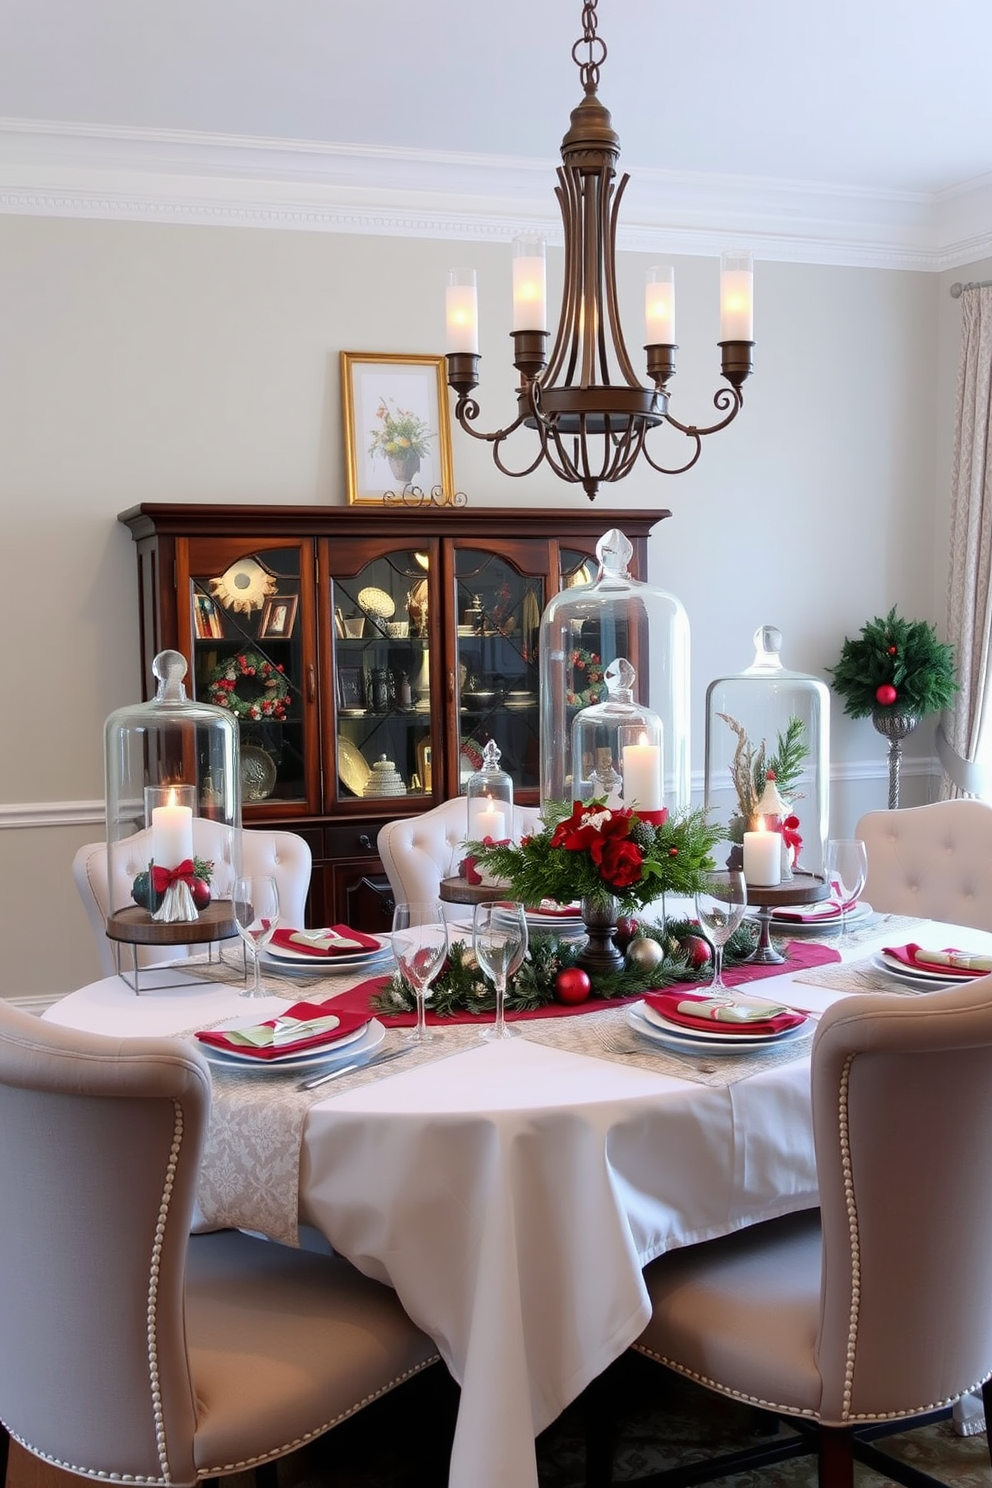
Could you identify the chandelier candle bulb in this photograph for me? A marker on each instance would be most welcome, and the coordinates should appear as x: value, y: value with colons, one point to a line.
x: 642, y: 783
x: 736, y: 297
x: 172, y: 833
x: 659, y: 306
x: 763, y: 859
x: 529, y: 284
x: 462, y: 312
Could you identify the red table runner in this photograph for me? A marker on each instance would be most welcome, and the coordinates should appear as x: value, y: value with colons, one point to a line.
x: 801, y: 955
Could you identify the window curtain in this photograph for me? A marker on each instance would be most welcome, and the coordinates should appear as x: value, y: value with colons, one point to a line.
x: 964, y: 736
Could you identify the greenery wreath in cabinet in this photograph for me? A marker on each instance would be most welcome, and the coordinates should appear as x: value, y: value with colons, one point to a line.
x: 249, y: 686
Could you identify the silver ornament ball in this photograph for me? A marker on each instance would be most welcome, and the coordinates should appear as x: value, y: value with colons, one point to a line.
x: 644, y: 952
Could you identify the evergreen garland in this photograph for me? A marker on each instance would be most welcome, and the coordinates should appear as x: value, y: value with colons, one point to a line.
x: 461, y: 986
x: 900, y: 657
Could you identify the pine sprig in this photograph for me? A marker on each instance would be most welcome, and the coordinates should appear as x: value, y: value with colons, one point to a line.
x: 906, y: 655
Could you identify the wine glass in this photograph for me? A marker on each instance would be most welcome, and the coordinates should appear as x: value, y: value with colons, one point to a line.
x: 847, y: 870
x: 499, y: 939
x: 256, y: 914
x: 420, y: 944
x: 721, y: 900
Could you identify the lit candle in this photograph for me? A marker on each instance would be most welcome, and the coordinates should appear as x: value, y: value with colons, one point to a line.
x: 172, y: 833
x: 462, y: 311
x: 642, y: 785
x: 763, y: 859
x: 736, y: 297
x: 529, y: 284
x: 490, y: 823
x: 659, y: 306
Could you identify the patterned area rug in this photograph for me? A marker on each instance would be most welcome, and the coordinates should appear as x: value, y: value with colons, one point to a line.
x: 401, y: 1441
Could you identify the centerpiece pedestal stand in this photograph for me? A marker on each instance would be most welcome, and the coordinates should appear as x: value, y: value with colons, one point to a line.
x: 804, y: 888
x: 135, y: 927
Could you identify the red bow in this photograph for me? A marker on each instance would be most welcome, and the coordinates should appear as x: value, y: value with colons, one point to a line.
x: 163, y: 877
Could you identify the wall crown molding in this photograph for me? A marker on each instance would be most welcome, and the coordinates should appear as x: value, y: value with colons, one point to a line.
x: 146, y: 175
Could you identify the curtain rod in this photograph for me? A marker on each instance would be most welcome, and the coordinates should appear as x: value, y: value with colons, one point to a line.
x: 957, y: 290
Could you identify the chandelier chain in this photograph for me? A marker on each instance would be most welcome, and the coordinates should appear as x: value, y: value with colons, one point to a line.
x: 589, y: 68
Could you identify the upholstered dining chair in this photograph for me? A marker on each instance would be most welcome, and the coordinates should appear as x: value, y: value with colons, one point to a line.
x: 933, y: 861
x: 418, y: 851
x: 875, y: 1309
x: 283, y: 855
x: 130, y: 1351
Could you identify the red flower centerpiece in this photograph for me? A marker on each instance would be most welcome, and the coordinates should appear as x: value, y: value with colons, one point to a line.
x: 608, y: 860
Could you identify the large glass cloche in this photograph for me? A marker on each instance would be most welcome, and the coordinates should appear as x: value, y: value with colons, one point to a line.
x: 583, y: 631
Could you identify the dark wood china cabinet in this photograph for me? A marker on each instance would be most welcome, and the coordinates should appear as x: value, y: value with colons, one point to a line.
x: 368, y: 652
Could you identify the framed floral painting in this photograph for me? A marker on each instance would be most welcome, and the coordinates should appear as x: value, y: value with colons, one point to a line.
x: 396, y: 429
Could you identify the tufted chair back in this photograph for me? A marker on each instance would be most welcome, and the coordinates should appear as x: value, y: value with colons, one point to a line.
x: 933, y: 861
x: 283, y: 855
x: 418, y: 851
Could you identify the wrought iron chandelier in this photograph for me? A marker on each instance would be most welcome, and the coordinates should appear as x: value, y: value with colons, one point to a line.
x: 591, y: 413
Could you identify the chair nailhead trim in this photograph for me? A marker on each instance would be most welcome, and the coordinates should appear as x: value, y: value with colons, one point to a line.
x: 301, y: 1441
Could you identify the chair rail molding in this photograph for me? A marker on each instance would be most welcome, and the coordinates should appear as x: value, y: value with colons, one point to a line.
x: 21, y: 815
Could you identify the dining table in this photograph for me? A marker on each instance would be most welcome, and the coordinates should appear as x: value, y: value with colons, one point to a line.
x: 511, y: 1192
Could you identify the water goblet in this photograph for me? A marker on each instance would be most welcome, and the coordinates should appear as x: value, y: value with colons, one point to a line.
x: 846, y: 870
x: 721, y: 900
x: 499, y: 940
x: 420, y: 944
x: 255, y: 901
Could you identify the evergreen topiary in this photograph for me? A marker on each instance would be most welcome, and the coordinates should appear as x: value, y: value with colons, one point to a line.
x: 895, y: 666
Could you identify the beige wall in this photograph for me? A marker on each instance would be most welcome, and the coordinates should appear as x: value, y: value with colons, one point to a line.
x: 142, y: 362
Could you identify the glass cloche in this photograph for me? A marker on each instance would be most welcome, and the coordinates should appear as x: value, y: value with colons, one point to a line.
x: 173, y: 787
x: 618, y: 749
x: 768, y: 719
x: 586, y: 628
x: 489, y: 799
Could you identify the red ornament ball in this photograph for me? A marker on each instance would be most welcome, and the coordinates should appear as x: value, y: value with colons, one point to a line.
x: 886, y: 694
x: 572, y: 986
x: 892, y: 650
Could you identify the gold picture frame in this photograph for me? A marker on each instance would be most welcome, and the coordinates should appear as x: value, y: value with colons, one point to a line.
x: 392, y: 398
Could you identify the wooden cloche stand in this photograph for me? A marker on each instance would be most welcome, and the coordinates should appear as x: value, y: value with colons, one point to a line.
x: 804, y: 888
x: 135, y: 927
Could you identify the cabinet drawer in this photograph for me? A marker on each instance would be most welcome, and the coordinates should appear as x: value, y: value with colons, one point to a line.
x: 352, y: 839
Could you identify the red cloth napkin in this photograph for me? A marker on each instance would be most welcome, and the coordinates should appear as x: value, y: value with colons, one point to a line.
x: 801, y: 955
x: 303, y: 1012
x: 560, y: 912
x: 284, y: 940
x: 667, y: 1003
x: 907, y: 955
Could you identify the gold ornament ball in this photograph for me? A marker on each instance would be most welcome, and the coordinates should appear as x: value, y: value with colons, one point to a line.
x: 644, y: 953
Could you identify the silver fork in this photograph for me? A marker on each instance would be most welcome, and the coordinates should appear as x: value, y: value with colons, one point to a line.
x: 614, y: 1041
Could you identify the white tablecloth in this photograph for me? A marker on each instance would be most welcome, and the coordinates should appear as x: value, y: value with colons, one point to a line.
x: 512, y: 1193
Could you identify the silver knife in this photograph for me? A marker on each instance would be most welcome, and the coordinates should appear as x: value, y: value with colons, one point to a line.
x: 346, y: 1069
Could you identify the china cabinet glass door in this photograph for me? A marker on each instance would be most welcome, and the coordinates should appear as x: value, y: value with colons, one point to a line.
x: 250, y: 623
x: 498, y: 598
x: 380, y: 623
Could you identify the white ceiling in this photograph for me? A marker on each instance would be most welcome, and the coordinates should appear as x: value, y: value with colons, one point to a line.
x: 862, y: 123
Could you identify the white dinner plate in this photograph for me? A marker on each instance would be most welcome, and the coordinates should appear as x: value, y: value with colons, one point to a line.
x: 326, y: 966
x: 912, y: 978
x: 856, y: 916
x: 361, y: 953
x: 340, y: 1052
x: 668, y: 1025
x: 687, y: 1041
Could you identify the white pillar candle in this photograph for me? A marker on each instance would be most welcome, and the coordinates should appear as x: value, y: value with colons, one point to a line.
x: 736, y: 297
x: 529, y: 284
x: 659, y: 306
x: 490, y: 823
x: 172, y: 834
x: 642, y: 784
x: 763, y: 859
x: 462, y: 311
